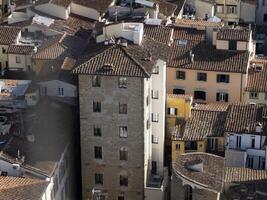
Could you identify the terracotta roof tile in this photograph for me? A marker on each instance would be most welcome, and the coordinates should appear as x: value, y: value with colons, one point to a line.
x: 196, y: 23
x: 237, y: 175
x: 243, y: 118
x: 233, y: 34
x: 20, y: 49
x: 8, y: 34
x: 17, y: 188
x: 99, y: 5
x: 179, y: 96
x: 159, y: 33
x: 257, y: 79
x: 205, y: 121
x: 212, y: 175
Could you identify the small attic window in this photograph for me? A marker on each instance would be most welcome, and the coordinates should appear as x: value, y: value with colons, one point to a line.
x: 107, y: 67
x: 258, y: 68
x: 182, y: 42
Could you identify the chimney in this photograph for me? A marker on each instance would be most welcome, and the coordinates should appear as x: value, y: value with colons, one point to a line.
x: 192, y: 57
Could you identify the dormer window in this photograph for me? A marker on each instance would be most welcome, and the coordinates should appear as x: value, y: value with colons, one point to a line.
x: 182, y: 42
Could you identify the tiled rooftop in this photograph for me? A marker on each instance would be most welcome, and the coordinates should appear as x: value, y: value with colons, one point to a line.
x: 159, y: 33
x: 212, y: 175
x: 8, y: 34
x: 196, y: 23
x: 233, y: 34
x: 257, y: 78
x: 20, y: 49
x: 116, y: 60
x: 15, y: 188
x: 179, y: 96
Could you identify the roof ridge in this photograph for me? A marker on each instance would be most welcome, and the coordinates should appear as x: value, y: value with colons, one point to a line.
x: 134, y: 60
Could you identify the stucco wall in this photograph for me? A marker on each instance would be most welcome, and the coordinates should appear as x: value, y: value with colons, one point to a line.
x: 24, y: 64
x: 54, y: 10
x: 234, y: 88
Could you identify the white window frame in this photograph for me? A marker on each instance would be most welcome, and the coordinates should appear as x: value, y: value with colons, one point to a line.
x: 155, y: 117
x: 123, y: 131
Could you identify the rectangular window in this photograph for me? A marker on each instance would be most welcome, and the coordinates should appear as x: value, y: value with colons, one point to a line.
x: 97, y: 130
x: 18, y: 59
x: 200, y: 95
x: 252, y: 142
x: 155, y: 70
x: 60, y: 91
x: 180, y: 75
x: 3, y: 50
x: 122, y: 82
x: 233, y: 45
x: 172, y: 111
x: 220, y: 9
x: 155, y: 139
x: 123, y: 180
x: 123, y: 132
x: 253, y: 95
x: 213, y: 144
x: 96, y: 81
x: 99, y: 179
x: 98, y: 152
x: 121, y: 198
x: 265, y: 17
x: 148, y: 124
x: 223, y: 78
x: 178, y: 91
x: 155, y: 94
x: 155, y: 117
x: 238, y: 141
x: 122, y: 108
x: 123, y: 153
x: 201, y: 76
x: 177, y: 146
x: 96, y: 106
x: 250, y: 162
x: 232, y: 9
x: 222, y: 96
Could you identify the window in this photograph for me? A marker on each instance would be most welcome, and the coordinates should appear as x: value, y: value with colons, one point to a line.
x: 96, y: 106
x: 220, y: 8
x: 201, y: 76
x: 155, y: 70
x: 122, y: 82
x: 123, y: 132
x: 123, y: 180
x: 232, y: 9
x: 200, y: 95
x: 178, y: 91
x: 3, y: 50
x: 252, y: 142
x: 122, y: 108
x: 99, y: 179
x: 148, y: 124
x: 155, y: 94
x: 265, y: 17
x: 250, y: 162
x: 98, y: 152
x: 172, y: 111
x: 97, y: 130
x: 180, y: 75
x: 238, y: 141
x: 233, y: 45
x: 18, y: 59
x: 96, y: 81
x: 177, y: 146
x: 223, y: 78
x: 213, y: 144
x: 253, y: 95
x: 188, y: 192
x: 102, y: 197
x: 120, y: 197
x: 60, y: 91
x: 123, y: 153
x: 155, y: 117
x: 154, y: 167
x: 222, y: 96
x: 191, y: 145
x: 155, y: 139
